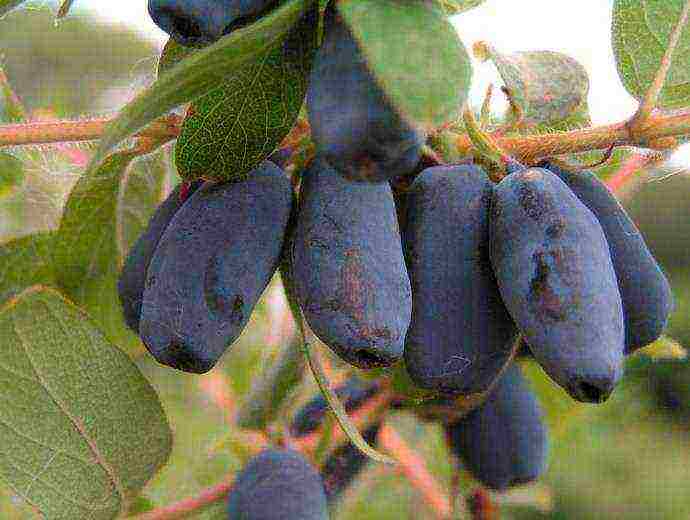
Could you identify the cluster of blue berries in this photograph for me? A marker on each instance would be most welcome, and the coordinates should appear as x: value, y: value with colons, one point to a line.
x: 452, y: 275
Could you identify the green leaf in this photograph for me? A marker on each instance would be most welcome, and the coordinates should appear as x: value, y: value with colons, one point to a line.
x: 203, y: 71
x: 105, y: 213
x: 11, y: 174
x: 458, y: 6
x: 416, y: 56
x: 551, y: 88
x: 640, y: 36
x: 140, y: 505
x: 172, y: 54
x: 82, y: 430
x: 25, y: 262
x: 7, y: 5
x: 230, y: 130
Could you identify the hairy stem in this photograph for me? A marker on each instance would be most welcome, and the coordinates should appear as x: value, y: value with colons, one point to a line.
x: 184, y: 507
x: 527, y: 149
x: 530, y: 148
x: 46, y: 132
x: 651, y: 99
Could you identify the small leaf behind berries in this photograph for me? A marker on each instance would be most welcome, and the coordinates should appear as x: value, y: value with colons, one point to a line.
x: 640, y: 34
x: 416, y: 56
x: 105, y: 213
x: 203, y: 71
x: 83, y: 430
x: 230, y: 130
x: 551, y: 88
x: 559, y: 408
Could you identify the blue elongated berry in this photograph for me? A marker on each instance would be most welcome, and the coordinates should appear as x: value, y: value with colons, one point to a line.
x: 130, y: 284
x: 555, y: 274
x: 461, y: 334
x: 503, y: 442
x: 212, y: 264
x: 353, y: 125
x: 347, y: 265
x: 645, y: 291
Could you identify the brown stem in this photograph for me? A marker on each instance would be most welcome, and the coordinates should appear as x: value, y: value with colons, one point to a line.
x: 651, y: 99
x: 413, y: 467
x: 527, y: 149
x: 45, y: 132
x: 530, y: 148
x: 184, y: 507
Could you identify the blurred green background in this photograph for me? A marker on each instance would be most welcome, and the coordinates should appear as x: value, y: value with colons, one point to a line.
x: 628, y: 458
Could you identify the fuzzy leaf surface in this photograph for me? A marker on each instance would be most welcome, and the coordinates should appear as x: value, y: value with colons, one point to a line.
x: 640, y: 33
x: 550, y: 87
x: 82, y: 430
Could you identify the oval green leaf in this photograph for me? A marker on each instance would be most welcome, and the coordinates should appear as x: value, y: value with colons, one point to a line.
x: 203, y: 71
x: 230, y: 130
x: 550, y: 87
x: 82, y: 430
x: 640, y: 34
x: 105, y: 213
x: 416, y: 56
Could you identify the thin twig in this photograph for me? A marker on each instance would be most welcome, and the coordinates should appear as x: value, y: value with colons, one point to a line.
x: 651, y: 98
x: 184, y: 507
x: 529, y: 149
x: 46, y: 132
x: 413, y: 467
x: 629, y: 167
x: 632, y: 165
